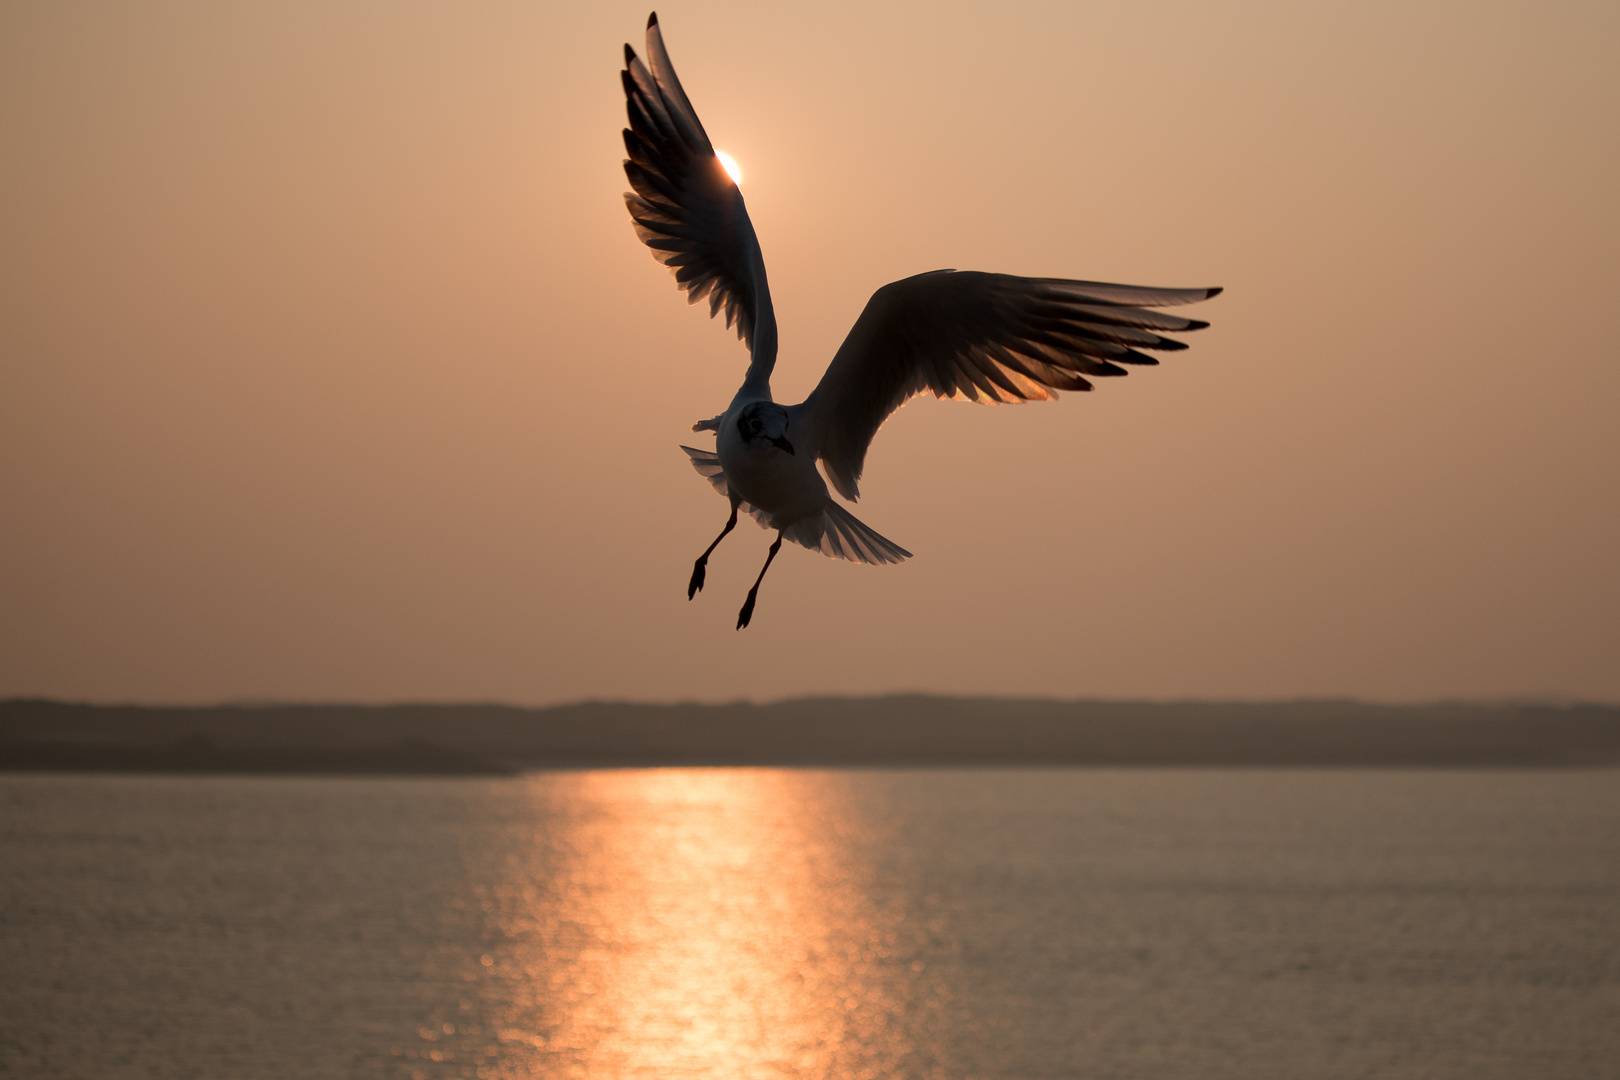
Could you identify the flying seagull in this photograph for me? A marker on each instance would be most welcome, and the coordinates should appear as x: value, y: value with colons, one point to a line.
x: 955, y: 334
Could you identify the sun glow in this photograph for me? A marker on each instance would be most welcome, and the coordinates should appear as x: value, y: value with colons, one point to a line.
x: 733, y: 170
x: 696, y: 923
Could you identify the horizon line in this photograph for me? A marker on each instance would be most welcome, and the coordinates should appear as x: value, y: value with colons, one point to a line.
x: 1513, y: 701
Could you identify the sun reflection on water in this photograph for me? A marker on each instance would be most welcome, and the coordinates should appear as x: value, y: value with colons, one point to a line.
x: 694, y: 922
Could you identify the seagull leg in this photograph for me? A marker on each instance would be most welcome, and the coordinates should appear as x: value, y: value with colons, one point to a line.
x: 747, y: 611
x: 699, y: 571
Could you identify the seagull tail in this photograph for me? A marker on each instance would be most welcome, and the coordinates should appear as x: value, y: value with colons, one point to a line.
x: 839, y: 534
x: 835, y: 532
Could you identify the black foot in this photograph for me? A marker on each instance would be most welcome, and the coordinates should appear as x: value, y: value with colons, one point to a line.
x: 695, y: 586
x: 747, y: 611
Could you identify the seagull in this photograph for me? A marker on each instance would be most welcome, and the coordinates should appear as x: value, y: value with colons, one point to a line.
x: 955, y: 334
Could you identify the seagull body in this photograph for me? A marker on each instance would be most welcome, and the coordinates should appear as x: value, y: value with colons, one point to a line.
x: 955, y: 334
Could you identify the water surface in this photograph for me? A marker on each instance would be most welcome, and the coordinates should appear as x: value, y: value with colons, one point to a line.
x: 795, y: 923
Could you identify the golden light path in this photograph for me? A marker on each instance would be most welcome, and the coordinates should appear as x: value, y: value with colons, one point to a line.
x: 698, y: 923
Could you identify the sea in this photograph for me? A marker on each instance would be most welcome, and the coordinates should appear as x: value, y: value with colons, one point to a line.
x: 839, y: 924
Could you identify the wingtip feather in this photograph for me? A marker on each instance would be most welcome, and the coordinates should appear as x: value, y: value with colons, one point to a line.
x: 652, y: 20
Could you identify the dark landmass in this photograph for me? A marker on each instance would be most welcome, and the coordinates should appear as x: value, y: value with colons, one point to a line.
x: 200, y: 754
x: 901, y: 730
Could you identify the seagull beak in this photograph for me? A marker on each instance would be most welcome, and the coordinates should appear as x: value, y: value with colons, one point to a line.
x: 782, y: 444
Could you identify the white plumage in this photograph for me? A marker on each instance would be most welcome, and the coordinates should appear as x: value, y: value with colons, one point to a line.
x: 968, y: 335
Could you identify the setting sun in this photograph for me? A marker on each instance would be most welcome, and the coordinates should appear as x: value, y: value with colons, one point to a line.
x: 733, y: 170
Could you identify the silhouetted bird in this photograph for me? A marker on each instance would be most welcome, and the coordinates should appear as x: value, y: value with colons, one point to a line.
x: 956, y: 334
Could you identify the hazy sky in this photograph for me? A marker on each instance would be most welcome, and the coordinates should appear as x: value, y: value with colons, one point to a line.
x: 331, y: 368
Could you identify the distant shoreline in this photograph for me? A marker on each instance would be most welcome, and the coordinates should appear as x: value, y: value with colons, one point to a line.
x: 893, y: 731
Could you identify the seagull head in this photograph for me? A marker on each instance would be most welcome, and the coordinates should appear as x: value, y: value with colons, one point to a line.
x: 764, y: 423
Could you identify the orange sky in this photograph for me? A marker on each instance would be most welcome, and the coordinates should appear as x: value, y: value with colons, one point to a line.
x: 330, y: 367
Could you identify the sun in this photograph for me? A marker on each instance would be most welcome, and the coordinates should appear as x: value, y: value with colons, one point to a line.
x: 733, y: 170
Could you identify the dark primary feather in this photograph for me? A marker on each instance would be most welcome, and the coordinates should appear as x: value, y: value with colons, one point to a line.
x: 685, y: 207
x: 983, y: 337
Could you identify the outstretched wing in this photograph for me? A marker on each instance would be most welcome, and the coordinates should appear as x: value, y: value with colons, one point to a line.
x: 982, y: 337
x: 685, y: 207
